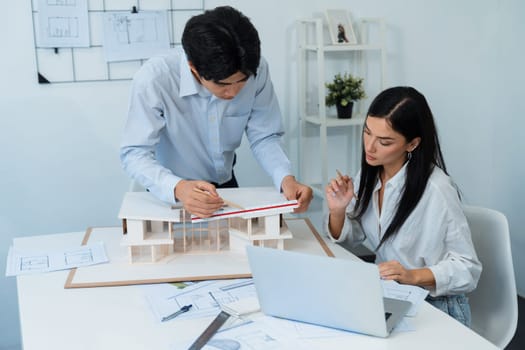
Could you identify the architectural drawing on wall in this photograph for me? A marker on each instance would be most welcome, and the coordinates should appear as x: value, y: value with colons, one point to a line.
x: 154, y: 230
x: 63, y: 23
x: 133, y: 36
x: 60, y: 61
x: 63, y: 27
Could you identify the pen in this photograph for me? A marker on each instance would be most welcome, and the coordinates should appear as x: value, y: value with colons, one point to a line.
x: 228, y: 203
x: 340, y: 177
x: 198, y: 190
x: 182, y: 310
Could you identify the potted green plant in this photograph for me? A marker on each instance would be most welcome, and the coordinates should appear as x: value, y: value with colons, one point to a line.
x: 342, y: 92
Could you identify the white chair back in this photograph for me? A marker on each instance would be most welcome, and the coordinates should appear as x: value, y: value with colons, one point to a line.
x: 494, y: 302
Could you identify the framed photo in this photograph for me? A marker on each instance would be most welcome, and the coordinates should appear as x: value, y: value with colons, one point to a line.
x: 341, y: 30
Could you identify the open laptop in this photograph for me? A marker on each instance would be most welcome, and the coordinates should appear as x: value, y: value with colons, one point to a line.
x: 326, y: 291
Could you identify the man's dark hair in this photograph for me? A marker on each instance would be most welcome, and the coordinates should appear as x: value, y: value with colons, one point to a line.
x: 222, y: 42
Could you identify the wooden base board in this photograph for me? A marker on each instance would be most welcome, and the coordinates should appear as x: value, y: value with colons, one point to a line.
x: 180, y: 267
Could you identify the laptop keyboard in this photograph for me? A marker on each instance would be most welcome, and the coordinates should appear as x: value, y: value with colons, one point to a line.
x: 387, y: 315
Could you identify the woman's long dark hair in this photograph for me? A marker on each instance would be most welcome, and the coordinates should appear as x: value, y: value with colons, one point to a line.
x: 408, y: 113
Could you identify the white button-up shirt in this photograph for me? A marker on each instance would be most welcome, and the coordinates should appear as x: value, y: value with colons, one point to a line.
x: 435, y: 235
x: 176, y: 129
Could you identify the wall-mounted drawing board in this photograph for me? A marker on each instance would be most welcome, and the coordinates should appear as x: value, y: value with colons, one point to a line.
x: 87, y: 64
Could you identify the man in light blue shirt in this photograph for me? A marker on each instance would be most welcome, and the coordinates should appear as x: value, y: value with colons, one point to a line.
x: 188, y: 112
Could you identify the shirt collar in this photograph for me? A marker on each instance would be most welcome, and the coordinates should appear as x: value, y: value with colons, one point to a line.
x: 398, y: 180
x: 188, y: 83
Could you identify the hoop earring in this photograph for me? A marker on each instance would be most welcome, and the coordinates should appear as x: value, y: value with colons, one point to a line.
x: 409, y: 155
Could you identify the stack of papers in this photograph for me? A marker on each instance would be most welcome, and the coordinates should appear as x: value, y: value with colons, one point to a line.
x: 207, y: 298
x: 414, y: 294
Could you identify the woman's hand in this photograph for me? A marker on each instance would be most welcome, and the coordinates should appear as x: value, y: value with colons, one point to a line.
x: 339, y: 193
x: 393, y: 270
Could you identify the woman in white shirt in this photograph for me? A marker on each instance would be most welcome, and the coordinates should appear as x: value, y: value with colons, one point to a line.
x: 404, y: 206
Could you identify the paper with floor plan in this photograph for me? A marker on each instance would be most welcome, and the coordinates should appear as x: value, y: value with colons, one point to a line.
x: 63, y: 23
x: 206, y: 297
x: 133, y: 36
x: 254, y: 335
x: 267, y: 332
x: 21, y: 262
x: 416, y: 295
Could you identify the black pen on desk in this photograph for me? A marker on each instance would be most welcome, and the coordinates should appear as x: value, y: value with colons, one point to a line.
x: 182, y: 310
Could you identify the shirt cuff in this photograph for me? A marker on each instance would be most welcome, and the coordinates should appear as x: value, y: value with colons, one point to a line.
x: 278, y: 177
x: 442, y: 281
x: 165, y: 190
x: 347, y: 228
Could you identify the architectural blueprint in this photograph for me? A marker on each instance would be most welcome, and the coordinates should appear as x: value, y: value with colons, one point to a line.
x: 26, y: 262
x: 63, y: 23
x: 132, y: 36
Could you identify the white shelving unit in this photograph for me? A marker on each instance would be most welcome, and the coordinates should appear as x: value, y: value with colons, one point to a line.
x: 314, y: 60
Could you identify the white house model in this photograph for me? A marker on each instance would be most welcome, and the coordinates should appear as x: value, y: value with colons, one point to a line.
x: 154, y: 230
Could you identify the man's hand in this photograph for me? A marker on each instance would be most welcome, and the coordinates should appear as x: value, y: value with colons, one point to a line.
x: 200, y: 198
x: 295, y: 190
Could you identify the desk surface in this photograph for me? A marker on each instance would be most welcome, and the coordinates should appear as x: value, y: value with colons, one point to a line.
x: 52, y: 317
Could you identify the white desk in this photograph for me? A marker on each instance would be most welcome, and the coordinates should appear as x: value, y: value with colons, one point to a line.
x: 52, y: 317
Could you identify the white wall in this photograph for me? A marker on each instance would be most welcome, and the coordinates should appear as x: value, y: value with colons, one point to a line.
x: 59, y: 164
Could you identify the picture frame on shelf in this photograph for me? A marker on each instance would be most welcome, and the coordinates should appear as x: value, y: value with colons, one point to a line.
x: 340, y: 26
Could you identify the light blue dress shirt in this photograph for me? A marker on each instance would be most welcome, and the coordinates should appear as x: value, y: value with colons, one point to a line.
x: 176, y: 129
